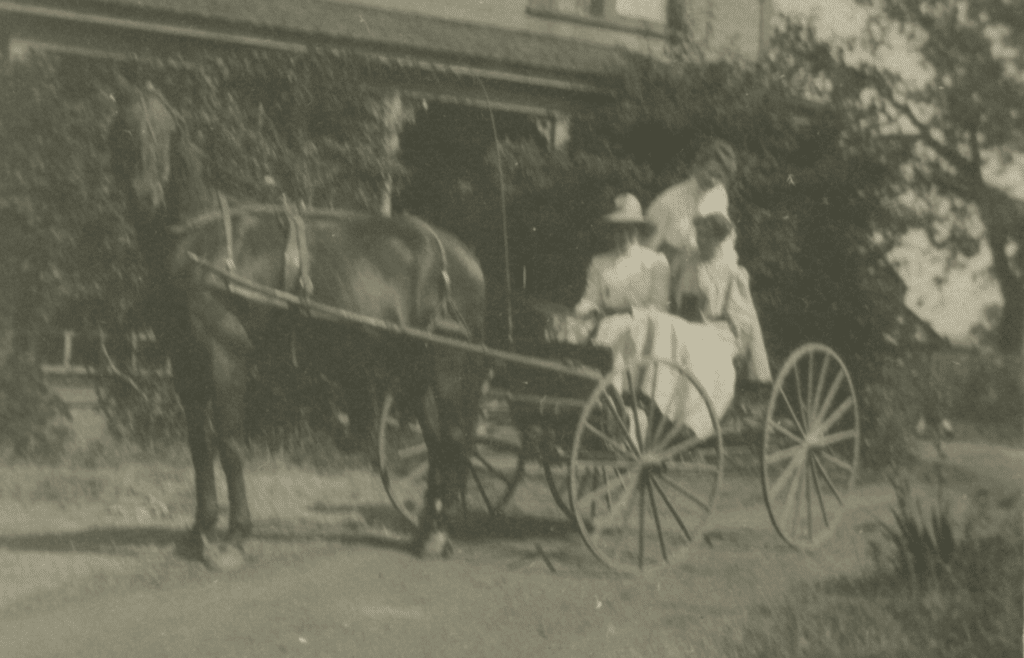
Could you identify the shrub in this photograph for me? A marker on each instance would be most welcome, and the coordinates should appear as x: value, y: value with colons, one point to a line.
x: 142, y: 409
x: 33, y: 421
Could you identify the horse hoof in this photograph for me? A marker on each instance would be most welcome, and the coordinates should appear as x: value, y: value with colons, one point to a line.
x: 223, y: 557
x: 436, y: 545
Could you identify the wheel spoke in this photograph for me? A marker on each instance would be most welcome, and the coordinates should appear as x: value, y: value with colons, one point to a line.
x: 409, y: 452
x: 786, y: 453
x: 672, y: 509
x: 657, y: 522
x: 792, y: 414
x: 791, y: 508
x: 415, y: 473
x: 835, y: 460
x: 817, y: 491
x: 618, y: 507
x: 677, y: 430
x: 598, y: 490
x: 828, y: 480
x: 483, y: 492
x: 609, y: 442
x: 785, y: 430
x: 836, y: 437
x: 683, y: 490
x: 640, y: 538
x: 675, y: 451
x: 784, y: 477
x: 694, y: 467
x: 807, y: 491
x: 490, y: 467
x: 637, y: 441
x: 820, y: 388
x: 611, y: 404
x: 799, y: 395
x: 832, y: 391
x: 837, y: 414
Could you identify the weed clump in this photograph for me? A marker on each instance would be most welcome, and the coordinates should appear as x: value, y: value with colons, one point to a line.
x: 946, y: 583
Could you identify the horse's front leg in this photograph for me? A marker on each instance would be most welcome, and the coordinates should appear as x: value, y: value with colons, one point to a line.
x: 195, y: 399
x: 229, y: 369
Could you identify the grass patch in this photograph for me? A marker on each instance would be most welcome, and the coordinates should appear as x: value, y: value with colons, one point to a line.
x: 946, y: 584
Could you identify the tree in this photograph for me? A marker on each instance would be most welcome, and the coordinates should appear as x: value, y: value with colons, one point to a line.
x: 961, y: 117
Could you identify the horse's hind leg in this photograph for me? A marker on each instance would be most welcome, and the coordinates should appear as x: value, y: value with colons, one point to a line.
x: 229, y: 381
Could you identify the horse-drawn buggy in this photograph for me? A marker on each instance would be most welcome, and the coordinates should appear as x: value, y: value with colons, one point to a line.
x: 632, y: 446
x: 639, y: 483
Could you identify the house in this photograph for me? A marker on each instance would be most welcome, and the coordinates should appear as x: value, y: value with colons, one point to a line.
x: 452, y: 62
x: 540, y: 57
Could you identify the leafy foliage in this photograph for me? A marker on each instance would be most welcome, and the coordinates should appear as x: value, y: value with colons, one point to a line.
x: 69, y: 251
x: 806, y: 200
x: 30, y: 415
x: 950, y: 116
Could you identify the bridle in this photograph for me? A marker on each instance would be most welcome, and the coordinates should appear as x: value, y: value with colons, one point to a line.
x: 148, y: 94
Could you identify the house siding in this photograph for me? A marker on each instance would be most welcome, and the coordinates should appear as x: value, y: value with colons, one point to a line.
x: 724, y: 26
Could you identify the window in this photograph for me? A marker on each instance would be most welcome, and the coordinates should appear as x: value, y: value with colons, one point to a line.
x: 626, y: 14
x: 653, y: 11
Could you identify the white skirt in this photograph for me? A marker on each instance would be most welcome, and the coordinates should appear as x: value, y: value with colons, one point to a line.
x: 704, y: 350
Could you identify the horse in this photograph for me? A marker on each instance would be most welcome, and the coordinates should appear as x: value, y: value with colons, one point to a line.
x: 400, y: 270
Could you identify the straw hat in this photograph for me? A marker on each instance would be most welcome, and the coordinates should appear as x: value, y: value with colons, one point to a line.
x: 627, y: 212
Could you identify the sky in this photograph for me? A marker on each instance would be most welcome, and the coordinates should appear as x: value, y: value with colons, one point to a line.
x: 952, y: 300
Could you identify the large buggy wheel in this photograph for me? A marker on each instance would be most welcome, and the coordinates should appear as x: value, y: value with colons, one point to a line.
x: 642, y: 486
x: 495, y: 465
x: 811, y: 446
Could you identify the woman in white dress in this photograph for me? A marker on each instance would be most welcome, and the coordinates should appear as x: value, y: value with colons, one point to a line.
x: 672, y: 214
x: 627, y: 296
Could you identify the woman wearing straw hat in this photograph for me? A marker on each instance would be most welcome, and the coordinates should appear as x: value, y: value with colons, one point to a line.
x: 625, y: 307
x: 630, y: 276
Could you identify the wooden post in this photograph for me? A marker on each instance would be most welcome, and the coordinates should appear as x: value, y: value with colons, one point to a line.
x: 69, y: 339
x: 391, y: 119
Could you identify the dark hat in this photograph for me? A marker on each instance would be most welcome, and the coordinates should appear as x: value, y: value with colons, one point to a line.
x: 716, y: 224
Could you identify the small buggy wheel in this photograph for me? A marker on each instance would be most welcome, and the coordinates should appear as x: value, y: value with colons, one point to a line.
x: 642, y: 481
x: 811, y: 446
x: 554, y: 458
x: 495, y: 464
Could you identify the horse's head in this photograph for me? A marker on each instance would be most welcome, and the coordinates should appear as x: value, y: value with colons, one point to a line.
x: 140, y: 143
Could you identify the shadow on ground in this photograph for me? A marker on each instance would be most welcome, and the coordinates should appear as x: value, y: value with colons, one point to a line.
x: 97, y: 540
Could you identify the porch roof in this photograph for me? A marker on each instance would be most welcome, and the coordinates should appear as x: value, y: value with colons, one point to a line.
x: 391, y: 34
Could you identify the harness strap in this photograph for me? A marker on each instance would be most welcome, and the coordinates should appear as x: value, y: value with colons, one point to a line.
x: 225, y: 212
x: 447, y: 318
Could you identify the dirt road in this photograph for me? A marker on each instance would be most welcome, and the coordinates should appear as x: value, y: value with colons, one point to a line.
x: 336, y: 580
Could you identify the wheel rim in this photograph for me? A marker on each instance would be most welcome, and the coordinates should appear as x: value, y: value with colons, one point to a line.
x: 642, y: 486
x: 811, y: 447
x: 495, y: 460
x: 554, y: 459
x: 403, y: 460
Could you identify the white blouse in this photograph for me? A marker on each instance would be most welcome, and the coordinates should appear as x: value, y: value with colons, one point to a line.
x: 620, y: 282
x: 672, y: 213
